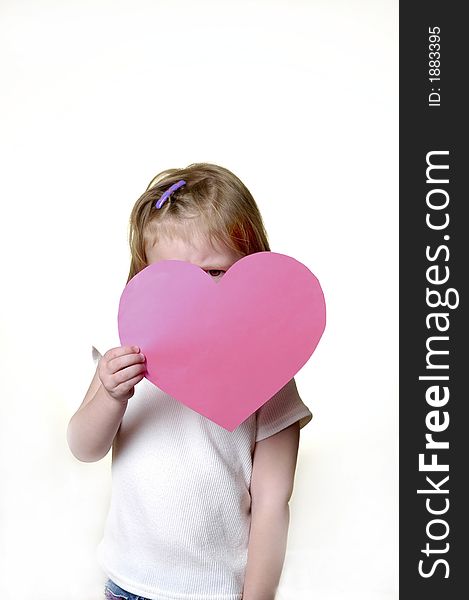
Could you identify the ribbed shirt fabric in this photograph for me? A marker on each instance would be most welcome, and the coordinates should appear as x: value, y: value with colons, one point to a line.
x: 179, y: 516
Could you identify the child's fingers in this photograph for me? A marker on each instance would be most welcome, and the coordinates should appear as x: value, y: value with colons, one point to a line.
x: 120, y: 351
x: 126, y: 386
x: 124, y: 375
x: 117, y: 359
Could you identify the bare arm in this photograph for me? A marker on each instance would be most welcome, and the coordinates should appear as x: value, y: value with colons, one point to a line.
x: 92, y: 428
x: 272, y: 480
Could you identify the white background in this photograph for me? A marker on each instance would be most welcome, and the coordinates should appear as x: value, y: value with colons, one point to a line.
x: 300, y: 100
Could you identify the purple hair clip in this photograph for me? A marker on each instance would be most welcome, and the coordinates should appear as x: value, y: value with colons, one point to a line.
x: 168, y: 192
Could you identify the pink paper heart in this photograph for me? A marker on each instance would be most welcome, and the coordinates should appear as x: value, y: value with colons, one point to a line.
x: 223, y: 348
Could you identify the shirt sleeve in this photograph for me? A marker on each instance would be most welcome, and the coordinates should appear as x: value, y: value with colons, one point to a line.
x: 283, y: 409
x: 102, y: 344
x: 95, y: 355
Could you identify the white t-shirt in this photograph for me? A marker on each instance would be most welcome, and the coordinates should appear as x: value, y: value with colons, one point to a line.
x: 179, y: 516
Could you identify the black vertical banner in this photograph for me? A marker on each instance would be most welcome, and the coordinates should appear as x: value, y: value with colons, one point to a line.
x: 434, y: 257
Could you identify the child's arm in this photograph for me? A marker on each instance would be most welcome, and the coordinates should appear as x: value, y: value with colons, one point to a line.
x: 273, y: 473
x: 92, y: 428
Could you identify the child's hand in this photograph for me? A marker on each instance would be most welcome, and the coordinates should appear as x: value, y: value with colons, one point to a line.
x: 120, y: 369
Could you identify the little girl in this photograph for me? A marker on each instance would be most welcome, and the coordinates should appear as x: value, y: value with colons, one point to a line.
x: 197, y: 512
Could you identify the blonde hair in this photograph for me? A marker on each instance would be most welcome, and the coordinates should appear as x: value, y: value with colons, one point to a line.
x: 214, y: 204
